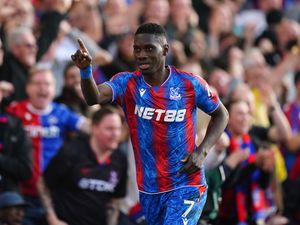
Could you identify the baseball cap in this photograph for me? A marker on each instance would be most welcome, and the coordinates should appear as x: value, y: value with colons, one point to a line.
x: 9, y: 199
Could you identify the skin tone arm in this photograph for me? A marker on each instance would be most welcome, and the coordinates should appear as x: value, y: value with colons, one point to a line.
x: 86, y: 126
x: 216, y: 126
x: 113, y: 212
x: 281, y: 129
x: 92, y: 94
x: 47, y: 203
x: 293, y: 142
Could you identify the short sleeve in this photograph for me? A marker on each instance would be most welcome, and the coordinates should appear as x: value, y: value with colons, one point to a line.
x: 71, y: 119
x: 206, y: 99
x: 118, y: 84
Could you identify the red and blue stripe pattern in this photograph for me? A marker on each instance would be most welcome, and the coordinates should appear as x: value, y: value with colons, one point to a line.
x: 162, y: 121
x: 47, y: 131
x: 292, y: 112
x: 3, y: 126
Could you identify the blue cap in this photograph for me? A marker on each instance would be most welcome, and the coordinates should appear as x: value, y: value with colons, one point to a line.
x: 9, y: 199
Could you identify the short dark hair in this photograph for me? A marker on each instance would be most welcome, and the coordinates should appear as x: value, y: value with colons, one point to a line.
x: 151, y: 28
x: 101, y: 113
x: 297, y: 77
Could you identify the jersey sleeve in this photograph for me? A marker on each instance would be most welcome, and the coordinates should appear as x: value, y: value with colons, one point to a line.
x: 206, y: 99
x: 118, y: 84
x: 72, y: 119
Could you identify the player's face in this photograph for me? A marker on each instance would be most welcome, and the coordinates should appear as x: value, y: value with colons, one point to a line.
x: 108, y: 131
x: 41, y: 89
x: 149, y: 52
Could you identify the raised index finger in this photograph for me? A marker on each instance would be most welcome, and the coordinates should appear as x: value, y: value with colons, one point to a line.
x: 81, y: 45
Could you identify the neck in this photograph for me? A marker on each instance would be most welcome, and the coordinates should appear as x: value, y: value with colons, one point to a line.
x: 100, y: 152
x: 158, y: 78
x: 235, y: 135
x: 39, y: 111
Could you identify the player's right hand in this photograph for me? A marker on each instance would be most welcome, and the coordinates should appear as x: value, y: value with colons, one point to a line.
x: 191, y: 163
x: 81, y: 58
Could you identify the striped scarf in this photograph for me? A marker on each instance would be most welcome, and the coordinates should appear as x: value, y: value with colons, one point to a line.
x: 248, y: 195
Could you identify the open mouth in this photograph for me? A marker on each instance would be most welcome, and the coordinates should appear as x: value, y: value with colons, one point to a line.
x: 144, y: 66
x: 42, y: 96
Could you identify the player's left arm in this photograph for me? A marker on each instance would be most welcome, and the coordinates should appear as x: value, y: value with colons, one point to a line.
x: 216, y: 126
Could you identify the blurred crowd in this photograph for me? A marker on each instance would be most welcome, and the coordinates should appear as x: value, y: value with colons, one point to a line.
x: 247, y: 50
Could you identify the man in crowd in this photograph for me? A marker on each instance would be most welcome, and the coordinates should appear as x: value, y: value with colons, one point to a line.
x: 15, y: 147
x: 12, y: 208
x: 46, y: 123
x: 88, y: 176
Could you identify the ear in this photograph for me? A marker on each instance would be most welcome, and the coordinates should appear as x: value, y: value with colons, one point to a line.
x: 165, y: 49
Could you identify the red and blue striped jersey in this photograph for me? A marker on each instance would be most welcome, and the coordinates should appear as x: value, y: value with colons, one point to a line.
x: 162, y: 122
x: 292, y: 112
x: 47, y: 131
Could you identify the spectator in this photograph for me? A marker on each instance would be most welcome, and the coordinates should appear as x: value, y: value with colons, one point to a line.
x: 182, y: 19
x: 23, y: 48
x: 71, y: 94
x: 267, y: 41
x: 280, y: 130
x: 58, y: 55
x: 15, y: 13
x: 92, y: 27
x: 119, y: 17
x: 21, y: 56
x: 87, y: 177
x: 222, y: 81
x: 244, y: 193
x: 292, y: 110
x: 272, y: 136
x: 220, y: 24
x: 196, y: 47
x: 156, y: 11
x: 257, y: 16
x: 216, y: 174
x: 122, y: 57
x: 47, y: 124
x: 292, y: 158
x: 15, y: 148
x: 12, y: 208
